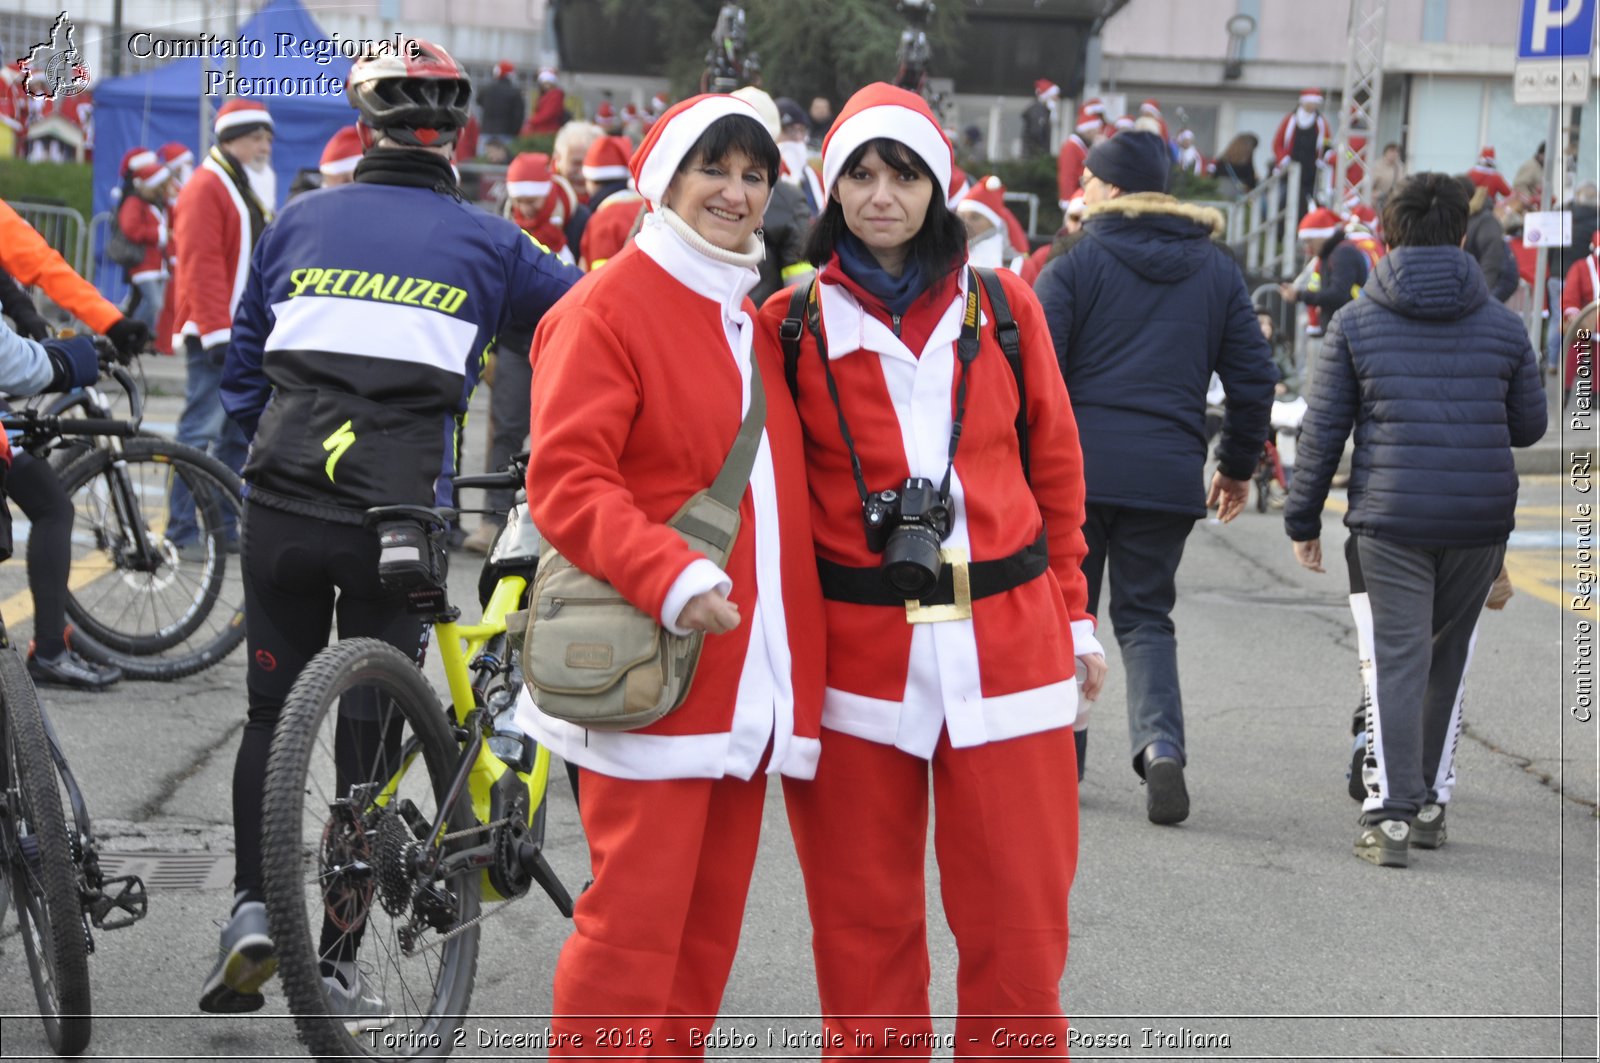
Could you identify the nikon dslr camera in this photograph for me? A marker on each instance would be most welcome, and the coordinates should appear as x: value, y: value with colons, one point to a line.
x: 906, y: 527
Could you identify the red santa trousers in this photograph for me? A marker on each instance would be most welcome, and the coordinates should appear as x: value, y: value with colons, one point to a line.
x: 1006, y: 837
x: 654, y: 936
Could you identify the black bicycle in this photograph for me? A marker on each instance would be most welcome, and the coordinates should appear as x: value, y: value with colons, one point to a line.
x: 136, y: 599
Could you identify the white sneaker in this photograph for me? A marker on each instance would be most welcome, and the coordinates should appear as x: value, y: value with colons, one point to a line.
x: 350, y: 998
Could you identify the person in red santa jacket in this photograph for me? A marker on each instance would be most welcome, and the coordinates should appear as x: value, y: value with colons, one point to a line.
x: 142, y: 217
x: 216, y: 223
x: 1075, y: 148
x: 635, y: 412
x: 969, y: 686
x: 1485, y: 173
x: 1582, y: 288
x: 616, y: 208
x: 540, y: 201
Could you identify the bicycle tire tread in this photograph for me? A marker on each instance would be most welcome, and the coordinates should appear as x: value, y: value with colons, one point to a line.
x: 58, y: 877
x: 314, y: 692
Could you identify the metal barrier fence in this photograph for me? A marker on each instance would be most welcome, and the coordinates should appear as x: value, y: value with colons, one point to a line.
x: 62, y: 228
x: 1033, y: 210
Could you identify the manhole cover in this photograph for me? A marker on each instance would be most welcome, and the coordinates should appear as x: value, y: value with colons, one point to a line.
x: 172, y: 871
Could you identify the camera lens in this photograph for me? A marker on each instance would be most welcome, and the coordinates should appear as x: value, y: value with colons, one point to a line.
x: 911, y: 560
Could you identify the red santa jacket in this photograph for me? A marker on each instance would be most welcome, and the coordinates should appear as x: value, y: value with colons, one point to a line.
x: 1582, y: 286
x: 548, y: 224
x: 608, y: 228
x: 637, y: 397
x: 211, y: 245
x: 1008, y: 670
x: 549, y: 112
x: 145, y: 223
x: 1490, y: 178
x: 1283, y: 139
x: 1069, y: 168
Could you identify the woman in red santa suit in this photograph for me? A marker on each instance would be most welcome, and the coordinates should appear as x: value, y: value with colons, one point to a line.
x: 539, y: 201
x: 641, y: 378
x: 970, y: 684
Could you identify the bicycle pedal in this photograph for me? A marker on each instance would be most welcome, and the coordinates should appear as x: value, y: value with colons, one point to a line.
x: 533, y: 861
x: 124, y: 894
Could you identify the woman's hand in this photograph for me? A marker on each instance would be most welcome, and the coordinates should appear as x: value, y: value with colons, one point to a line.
x: 709, y: 612
x: 1094, y: 674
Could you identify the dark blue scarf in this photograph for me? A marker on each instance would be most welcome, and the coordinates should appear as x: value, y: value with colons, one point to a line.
x: 896, y: 293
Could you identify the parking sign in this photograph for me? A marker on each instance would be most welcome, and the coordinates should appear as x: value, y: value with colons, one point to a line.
x: 1554, y: 46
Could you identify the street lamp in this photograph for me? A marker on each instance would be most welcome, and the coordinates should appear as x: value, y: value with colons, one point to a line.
x: 1239, y: 27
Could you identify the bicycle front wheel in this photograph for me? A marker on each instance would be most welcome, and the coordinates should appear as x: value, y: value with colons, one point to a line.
x: 361, y: 762
x: 155, y: 608
x: 39, y: 866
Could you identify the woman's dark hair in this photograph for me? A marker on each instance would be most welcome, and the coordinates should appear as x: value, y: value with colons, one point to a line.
x: 735, y: 133
x: 1427, y: 210
x: 938, y: 246
x: 1240, y: 150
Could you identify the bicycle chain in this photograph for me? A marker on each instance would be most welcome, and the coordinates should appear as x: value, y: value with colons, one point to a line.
x: 476, y: 829
x: 462, y: 929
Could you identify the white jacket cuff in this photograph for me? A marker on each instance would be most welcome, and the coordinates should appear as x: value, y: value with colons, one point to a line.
x: 1083, y: 641
x: 702, y: 575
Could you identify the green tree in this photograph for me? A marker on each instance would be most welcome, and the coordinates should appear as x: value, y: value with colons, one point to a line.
x: 682, y: 29
x: 835, y: 48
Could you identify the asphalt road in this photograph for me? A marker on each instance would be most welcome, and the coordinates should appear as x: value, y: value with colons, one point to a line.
x: 1248, y: 932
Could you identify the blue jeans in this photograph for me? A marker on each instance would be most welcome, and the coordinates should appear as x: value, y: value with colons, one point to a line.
x: 152, y: 293
x: 1141, y: 549
x: 204, y: 426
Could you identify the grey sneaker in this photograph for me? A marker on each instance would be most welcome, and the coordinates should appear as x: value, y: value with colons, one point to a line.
x: 1427, y: 831
x: 245, y: 960
x: 352, y: 999
x: 1385, y: 843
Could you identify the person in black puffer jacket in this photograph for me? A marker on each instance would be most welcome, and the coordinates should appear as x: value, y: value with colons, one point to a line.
x: 1486, y: 242
x: 1142, y: 311
x: 1440, y: 382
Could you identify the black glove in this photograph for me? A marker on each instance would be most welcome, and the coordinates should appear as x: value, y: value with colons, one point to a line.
x: 216, y: 353
x: 30, y: 325
x: 131, y: 337
x: 74, y: 363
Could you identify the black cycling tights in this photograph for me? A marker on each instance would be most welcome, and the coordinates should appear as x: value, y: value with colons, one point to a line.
x: 36, y: 489
x: 299, y: 574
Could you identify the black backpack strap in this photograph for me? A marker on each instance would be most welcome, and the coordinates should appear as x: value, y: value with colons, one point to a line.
x: 1010, y: 337
x: 789, y: 334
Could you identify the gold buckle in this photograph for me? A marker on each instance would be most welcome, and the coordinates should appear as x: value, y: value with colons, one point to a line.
x: 961, y: 608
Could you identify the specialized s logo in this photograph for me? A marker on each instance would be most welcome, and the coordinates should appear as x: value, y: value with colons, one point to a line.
x: 341, y: 440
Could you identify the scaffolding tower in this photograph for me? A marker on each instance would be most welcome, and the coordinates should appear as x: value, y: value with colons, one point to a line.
x: 1354, y: 150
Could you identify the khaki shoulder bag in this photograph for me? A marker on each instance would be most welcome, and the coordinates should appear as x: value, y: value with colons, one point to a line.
x: 590, y: 657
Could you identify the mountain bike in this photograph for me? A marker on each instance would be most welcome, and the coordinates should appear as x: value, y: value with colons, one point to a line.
x: 388, y: 819
x: 136, y: 599
x: 52, y: 871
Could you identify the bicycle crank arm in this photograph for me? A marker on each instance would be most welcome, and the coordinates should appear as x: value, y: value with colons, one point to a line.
x: 531, y: 855
x: 124, y: 894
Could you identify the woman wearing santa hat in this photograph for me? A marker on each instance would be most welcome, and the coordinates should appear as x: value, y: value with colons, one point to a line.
x: 1090, y: 126
x: 641, y: 380
x: 969, y: 685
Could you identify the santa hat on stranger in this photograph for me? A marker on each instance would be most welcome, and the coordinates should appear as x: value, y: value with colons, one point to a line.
x: 1319, y: 224
x: 1046, y: 90
x: 1090, y: 121
x: 341, y: 153
x: 958, y: 188
x: 1124, y: 123
x: 607, y: 159
x: 987, y: 198
x: 1075, y: 205
x: 675, y: 134
x: 659, y: 104
x: 605, y: 113
x: 881, y: 110
x: 1311, y: 97
x: 176, y: 156
x: 548, y: 76
x: 503, y: 68
x: 1150, y: 107
x: 239, y: 118
x: 145, y: 167
x: 1486, y: 157
x: 528, y: 176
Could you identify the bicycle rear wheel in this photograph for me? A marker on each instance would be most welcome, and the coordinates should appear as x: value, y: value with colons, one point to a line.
x: 361, y: 760
x: 157, y: 613
x: 39, y: 867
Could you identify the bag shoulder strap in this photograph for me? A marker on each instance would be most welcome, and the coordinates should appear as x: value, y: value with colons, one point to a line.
x: 728, y: 487
x: 789, y: 335
x: 1010, y: 337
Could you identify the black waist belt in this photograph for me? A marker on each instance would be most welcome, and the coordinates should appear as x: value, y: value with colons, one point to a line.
x: 866, y: 586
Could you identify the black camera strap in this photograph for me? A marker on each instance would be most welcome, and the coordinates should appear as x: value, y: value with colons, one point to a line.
x: 804, y: 305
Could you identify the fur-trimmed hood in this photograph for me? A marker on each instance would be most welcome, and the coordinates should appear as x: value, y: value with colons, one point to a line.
x: 1158, y: 237
x: 1145, y: 204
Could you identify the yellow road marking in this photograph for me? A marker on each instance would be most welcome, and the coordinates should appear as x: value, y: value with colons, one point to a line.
x: 20, y: 605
